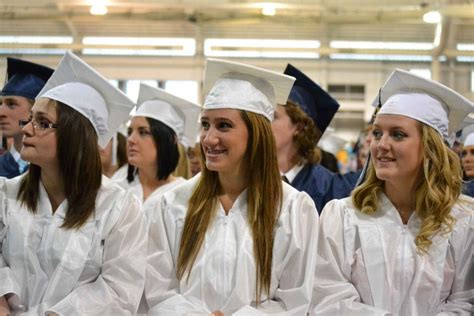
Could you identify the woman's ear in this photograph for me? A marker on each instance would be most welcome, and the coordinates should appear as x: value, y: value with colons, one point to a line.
x: 299, y: 128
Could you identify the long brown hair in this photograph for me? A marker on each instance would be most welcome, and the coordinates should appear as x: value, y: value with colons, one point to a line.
x: 264, y: 203
x: 79, y: 164
x: 435, y: 194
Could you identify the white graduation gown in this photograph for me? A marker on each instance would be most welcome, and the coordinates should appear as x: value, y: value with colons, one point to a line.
x: 369, y: 265
x: 120, y: 174
x: 136, y: 188
x: 223, y: 275
x: 98, y: 269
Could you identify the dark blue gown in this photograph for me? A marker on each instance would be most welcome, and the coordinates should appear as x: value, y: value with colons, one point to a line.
x: 9, y: 168
x: 321, y: 184
x: 468, y: 188
x: 351, y: 177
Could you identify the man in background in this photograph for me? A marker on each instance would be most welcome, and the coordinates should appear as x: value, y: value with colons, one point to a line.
x: 24, y: 80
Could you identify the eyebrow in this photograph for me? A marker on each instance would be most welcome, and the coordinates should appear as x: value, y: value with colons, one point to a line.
x: 390, y: 127
x: 138, y: 127
x: 41, y: 114
x: 216, y: 119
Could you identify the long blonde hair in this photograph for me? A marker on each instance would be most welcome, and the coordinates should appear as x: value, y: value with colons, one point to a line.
x: 264, y: 203
x: 182, y: 169
x: 436, y: 192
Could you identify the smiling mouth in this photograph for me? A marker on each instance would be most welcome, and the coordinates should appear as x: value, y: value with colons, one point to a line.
x: 383, y: 159
x: 214, y: 152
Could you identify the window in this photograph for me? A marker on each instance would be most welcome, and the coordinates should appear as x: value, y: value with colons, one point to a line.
x: 347, y: 92
x: 185, y: 89
x: 132, y: 87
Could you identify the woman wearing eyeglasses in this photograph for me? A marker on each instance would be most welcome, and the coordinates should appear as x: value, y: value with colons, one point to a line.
x: 72, y: 242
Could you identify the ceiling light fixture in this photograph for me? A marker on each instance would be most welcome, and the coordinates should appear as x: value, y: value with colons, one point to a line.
x: 98, y: 9
x: 268, y: 9
x: 432, y: 17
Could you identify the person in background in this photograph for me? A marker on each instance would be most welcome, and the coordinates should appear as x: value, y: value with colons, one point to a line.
x: 402, y: 244
x: 328, y: 160
x: 24, y: 81
x: 298, y: 125
x: 114, y: 155
x: 183, y: 169
x: 160, y: 123
x: 467, y: 159
x: 232, y: 240
x: 194, y: 154
x: 363, y: 145
x: 71, y: 241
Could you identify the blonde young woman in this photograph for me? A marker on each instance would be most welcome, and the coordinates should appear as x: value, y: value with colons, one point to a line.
x: 402, y: 244
x: 234, y: 240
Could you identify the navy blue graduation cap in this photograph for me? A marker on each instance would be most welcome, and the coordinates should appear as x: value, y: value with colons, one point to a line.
x: 314, y: 101
x: 24, y: 78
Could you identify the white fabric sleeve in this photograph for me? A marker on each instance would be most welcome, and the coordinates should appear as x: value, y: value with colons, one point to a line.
x: 118, y: 289
x: 162, y: 286
x: 8, y: 284
x: 461, y: 298
x: 293, y: 294
x: 333, y: 292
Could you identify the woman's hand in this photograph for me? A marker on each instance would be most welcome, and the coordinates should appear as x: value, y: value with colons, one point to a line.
x: 217, y: 313
x: 4, y: 308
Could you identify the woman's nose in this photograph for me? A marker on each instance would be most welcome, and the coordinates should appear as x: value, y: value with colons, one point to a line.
x: 208, y: 137
x: 383, y: 142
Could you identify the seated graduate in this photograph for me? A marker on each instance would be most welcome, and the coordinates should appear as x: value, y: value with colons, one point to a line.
x: 71, y: 241
x: 160, y: 123
x: 402, y: 244
x: 467, y: 159
x: 194, y: 158
x: 232, y: 240
x: 23, y: 82
x: 298, y: 125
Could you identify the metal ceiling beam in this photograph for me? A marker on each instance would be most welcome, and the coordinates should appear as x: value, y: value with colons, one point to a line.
x: 323, y: 51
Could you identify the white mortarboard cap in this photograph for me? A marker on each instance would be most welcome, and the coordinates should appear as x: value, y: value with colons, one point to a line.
x: 79, y: 86
x: 330, y: 142
x: 122, y: 129
x: 176, y: 113
x: 467, y: 135
x: 469, y: 140
x: 238, y: 86
x: 424, y: 100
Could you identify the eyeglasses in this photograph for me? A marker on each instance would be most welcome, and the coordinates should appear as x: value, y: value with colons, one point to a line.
x: 41, y: 125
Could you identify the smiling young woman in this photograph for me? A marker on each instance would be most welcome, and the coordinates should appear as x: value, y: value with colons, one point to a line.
x: 402, y: 244
x: 235, y: 239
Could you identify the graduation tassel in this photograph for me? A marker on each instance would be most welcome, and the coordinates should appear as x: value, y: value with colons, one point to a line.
x: 367, y: 160
x: 114, y: 149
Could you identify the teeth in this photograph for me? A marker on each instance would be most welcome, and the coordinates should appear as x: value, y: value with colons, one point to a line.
x: 215, y: 152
